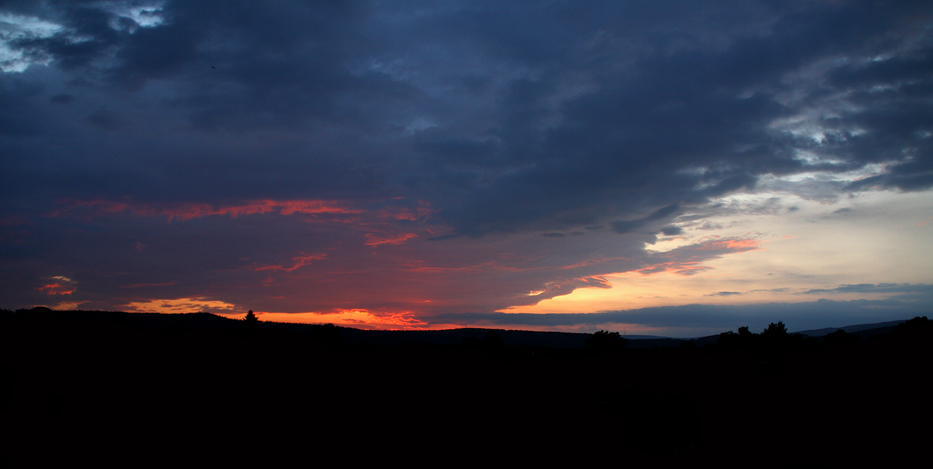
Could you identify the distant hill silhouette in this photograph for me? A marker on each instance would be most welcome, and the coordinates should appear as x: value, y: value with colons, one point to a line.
x: 876, y: 328
x: 157, y: 321
x: 158, y: 383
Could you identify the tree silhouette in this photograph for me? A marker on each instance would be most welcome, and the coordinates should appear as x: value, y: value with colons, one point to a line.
x: 251, y: 318
x: 727, y: 338
x: 604, y: 341
x: 730, y: 339
x: 916, y: 327
x: 250, y: 323
x: 775, y: 330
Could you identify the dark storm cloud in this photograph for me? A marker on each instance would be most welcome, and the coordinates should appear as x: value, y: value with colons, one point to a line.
x: 589, y: 112
x: 623, y: 137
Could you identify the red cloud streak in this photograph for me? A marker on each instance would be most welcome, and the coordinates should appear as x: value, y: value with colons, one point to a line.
x: 56, y: 289
x: 189, y: 211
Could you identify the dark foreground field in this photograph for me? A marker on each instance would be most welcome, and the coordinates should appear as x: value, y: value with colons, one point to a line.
x: 202, y: 389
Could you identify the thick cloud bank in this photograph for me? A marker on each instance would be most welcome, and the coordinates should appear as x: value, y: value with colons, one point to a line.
x: 425, y: 159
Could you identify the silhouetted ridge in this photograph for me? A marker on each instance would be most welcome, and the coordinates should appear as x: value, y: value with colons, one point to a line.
x: 325, y: 389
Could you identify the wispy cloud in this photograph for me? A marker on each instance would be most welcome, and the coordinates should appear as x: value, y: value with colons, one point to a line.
x: 874, y: 288
x: 300, y: 261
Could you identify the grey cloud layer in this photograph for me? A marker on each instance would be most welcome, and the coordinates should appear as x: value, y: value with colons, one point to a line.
x: 511, y: 116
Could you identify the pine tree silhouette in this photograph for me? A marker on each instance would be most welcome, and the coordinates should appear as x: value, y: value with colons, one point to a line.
x: 251, y: 318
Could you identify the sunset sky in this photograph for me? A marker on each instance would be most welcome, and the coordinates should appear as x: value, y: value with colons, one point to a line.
x: 665, y: 167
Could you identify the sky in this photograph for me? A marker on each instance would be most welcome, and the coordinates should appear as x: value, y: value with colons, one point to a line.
x: 670, y: 168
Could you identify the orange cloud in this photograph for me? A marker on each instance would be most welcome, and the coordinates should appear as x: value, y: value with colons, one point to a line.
x: 679, y: 268
x: 595, y: 282
x: 923, y: 223
x: 729, y: 245
x: 68, y: 305
x: 178, y: 305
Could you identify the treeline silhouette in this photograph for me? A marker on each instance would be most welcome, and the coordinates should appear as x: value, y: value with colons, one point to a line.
x: 198, y: 381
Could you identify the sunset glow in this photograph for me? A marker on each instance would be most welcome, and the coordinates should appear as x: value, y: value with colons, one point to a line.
x: 672, y: 169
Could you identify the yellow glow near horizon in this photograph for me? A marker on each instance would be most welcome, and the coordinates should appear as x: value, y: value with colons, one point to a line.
x: 358, y: 318
x: 877, y: 237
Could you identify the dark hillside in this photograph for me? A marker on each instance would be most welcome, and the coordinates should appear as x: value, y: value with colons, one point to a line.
x: 96, y: 380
